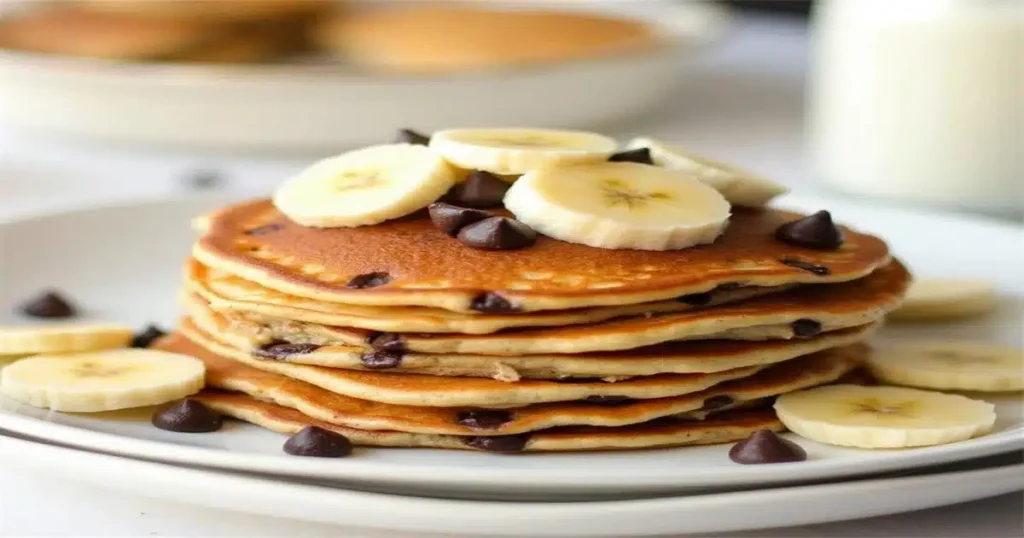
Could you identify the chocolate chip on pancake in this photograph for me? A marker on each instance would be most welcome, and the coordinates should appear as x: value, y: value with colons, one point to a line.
x: 695, y: 299
x: 50, y: 305
x: 765, y: 446
x: 382, y: 359
x: 806, y: 328
x: 641, y: 156
x: 499, y: 443
x: 812, y: 268
x: 610, y: 400
x: 408, y: 136
x: 815, y: 231
x: 386, y: 341
x: 452, y: 218
x: 480, y: 189
x: 316, y: 442
x: 147, y: 336
x: 717, y: 402
x: 188, y: 416
x: 266, y: 229
x: 483, y: 419
x: 369, y: 280
x: 497, y: 233
x: 283, y: 350
x: 492, y: 303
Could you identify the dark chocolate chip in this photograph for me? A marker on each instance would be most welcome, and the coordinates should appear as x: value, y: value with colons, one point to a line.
x: 369, y: 280
x: 452, y: 218
x: 641, y: 156
x: 381, y: 359
x: 147, y: 336
x: 497, y: 233
x: 483, y: 419
x: 805, y: 328
x: 819, y: 270
x: 480, y: 189
x: 492, y: 303
x: 316, y: 442
x: 498, y: 443
x: 765, y: 446
x: 386, y: 342
x: 815, y: 231
x: 408, y: 136
x: 695, y: 299
x: 266, y: 229
x: 717, y: 402
x: 283, y: 350
x: 610, y: 400
x: 188, y: 416
x: 49, y: 304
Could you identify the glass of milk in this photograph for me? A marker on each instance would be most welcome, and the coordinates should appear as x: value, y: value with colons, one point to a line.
x: 920, y: 100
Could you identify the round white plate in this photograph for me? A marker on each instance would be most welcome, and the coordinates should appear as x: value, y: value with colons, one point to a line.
x: 317, y: 108
x: 123, y: 264
x: 370, y: 511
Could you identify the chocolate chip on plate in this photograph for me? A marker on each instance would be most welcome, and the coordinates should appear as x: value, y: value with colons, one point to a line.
x: 483, y: 419
x: 266, y: 229
x: 382, y: 359
x: 316, y: 442
x: 386, y: 341
x: 498, y: 443
x: 765, y: 446
x: 480, y: 189
x: 695, y: 299
x: 813, y: 268
x: 147, y: 336
x: 408, y: 136
x: 451, y: 218
x: 806, y: 328
x: 368, y: 280
x: 497, y: 233
x: 717, y: 402
x: 283, y: 350
x: 188, y: 416
x: 815, y: 231
x: 608, y: 399
x: 641, y: 156
x: 492, y: 303
x: 49, y: 304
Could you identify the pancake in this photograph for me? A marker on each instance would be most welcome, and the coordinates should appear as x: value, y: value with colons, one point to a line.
x: 230, y: 375
x: 834, y: 307
x: 425, y: 267
x: 210, y: 10
x: 431, y: 391
x: 671, y: 357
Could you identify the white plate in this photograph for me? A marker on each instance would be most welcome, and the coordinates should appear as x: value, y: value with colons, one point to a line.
x: 370, y: 511
x: 315, y: 108
x: 123, y: 263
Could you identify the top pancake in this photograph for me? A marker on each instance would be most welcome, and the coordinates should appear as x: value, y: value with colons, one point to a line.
x: 428, y: 268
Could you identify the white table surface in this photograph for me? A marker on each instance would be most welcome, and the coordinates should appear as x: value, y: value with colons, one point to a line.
x: 743, y: 100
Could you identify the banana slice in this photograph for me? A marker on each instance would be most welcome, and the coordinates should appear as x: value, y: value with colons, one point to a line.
x: 365, y: 187
x: 102, y: 381
x: 739, y: 187
x: 619, y: 206
x: 513, y: 152
x: 950, y: 366
x: 931, y: 299
x: 883, y: 417
x: 63, y: 338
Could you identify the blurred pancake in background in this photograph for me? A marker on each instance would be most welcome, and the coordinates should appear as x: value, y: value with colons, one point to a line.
x: 213, y: 10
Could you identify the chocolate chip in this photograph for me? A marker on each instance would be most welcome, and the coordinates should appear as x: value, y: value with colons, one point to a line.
x: 204, y: 180
x: 815, y: 231
x: 498, y: 443
x: 369, y: 280
x: 316, y: 442
x: 408, y: 136
x: 386, y: 342
x: 382, y: 360
x: 610, y: 400
x: 765, y: 446
x: 283, y: 350
x: 147, y: 336
x: 805, y: 328
x: 497, y: 233
x: 49, y: 305
x: 695, y: 299
x: 480, y: 189
x: 188, y: 416
x: 641, y: 156
x: 483, y: 419
x: 819, y: 270
x: 452, y: 218
x: 265, y: 229
x: 717, y: 402
x: 492, y: 303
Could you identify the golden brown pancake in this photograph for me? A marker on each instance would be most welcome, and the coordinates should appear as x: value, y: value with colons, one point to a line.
x: 425, y: 267
x: 211, y: 10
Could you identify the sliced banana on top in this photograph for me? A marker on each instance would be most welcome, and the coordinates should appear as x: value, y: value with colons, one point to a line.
x: 883, y: 417
x: 739, y: 187
x: 513, y: 152
x: 103, y: 380
x: 366, y: 186
x: 619, y: 206
x: 945, y: 298
x: 63, y: 338
x: 973, y: 366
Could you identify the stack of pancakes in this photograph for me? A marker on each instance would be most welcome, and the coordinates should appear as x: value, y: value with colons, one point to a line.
x: 396, y: 335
